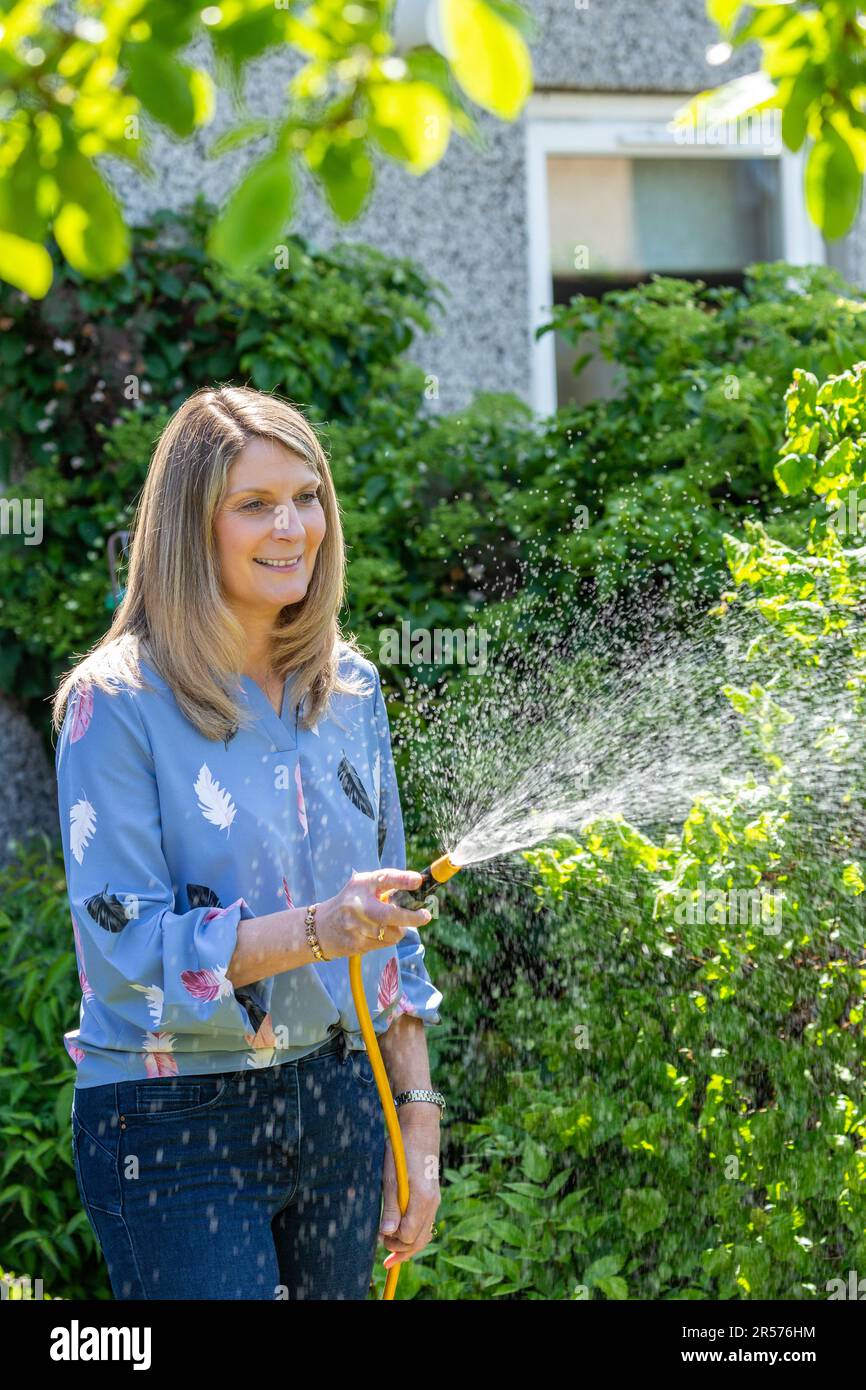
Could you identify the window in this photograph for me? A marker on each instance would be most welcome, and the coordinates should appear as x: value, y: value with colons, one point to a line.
x: 614, y: 196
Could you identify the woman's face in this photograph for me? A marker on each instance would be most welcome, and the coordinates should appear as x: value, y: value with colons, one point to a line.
x: 270, y: 512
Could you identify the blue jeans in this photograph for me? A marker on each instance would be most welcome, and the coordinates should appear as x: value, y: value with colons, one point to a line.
x: 261, y: 1184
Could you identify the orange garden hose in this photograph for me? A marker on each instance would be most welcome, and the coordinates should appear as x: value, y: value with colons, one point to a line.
x: 438, y: 872
x: 384, y: 1086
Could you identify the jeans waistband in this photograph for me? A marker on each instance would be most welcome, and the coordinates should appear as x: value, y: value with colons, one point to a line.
x: 336, y: 1043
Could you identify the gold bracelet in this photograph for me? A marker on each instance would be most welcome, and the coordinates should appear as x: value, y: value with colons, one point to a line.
x: 312, y: 939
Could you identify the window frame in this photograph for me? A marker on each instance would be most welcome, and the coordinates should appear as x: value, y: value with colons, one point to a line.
x: 616, y: 123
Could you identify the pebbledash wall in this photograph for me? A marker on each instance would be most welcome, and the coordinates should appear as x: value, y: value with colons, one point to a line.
x: 607, y: 75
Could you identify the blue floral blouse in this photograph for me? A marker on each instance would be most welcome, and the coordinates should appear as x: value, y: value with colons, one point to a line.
x: 171, y: 839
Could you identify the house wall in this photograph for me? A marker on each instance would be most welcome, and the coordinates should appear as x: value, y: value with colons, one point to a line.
x: 465, y: 221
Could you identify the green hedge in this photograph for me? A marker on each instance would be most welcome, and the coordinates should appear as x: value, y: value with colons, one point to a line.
x: 44, y: 1231
x: 445, y: 515
x: 688, y: 1108
x: 688, y: 445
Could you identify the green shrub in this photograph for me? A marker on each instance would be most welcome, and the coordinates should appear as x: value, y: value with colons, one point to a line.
x: 44, y: 1231
x: 20, y: 1287
x: 688, y: 1117
x: 690, y: 441
x: 443, y: 513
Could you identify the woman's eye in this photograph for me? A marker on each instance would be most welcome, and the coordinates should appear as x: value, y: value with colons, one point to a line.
x: 256, y: 502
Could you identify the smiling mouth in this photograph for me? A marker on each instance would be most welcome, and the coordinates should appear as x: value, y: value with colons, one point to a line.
x: 281, y: 565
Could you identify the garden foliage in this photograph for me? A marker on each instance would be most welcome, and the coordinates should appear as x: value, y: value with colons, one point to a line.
x: 640, y: 1106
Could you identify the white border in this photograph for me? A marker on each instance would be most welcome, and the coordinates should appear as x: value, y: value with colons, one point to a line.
x: 607, y: 123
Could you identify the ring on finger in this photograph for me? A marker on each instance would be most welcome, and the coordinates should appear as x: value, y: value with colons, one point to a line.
x: 381, y: 936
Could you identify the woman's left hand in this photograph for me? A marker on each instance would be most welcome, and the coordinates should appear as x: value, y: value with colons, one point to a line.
x: 410, y: 1233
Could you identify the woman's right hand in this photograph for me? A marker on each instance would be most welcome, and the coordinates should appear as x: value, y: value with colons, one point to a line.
x: 349, y: 923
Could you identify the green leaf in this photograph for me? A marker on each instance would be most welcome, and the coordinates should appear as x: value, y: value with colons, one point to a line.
x: 536, y: 1161
x: 488, y: 57
x: 345, y: 172
x: 411, y: 121
x: 724, y: 13
x: 794, y: 473
x: 256, y: 214
x: 258, y: 24
x: 833, y: 183
x: 26, y: 195
x: 25, y: 264
x: 165, y: 87
x: 614, y: 1287
x: 558, y: 1182
x: 467, y: 1262
x: 89, y: 227
x: 250, y: 130
x: 507, y: 1231
x: 604, y: 1268
x: 524, y: 1205
x: 642, y: 1209
x: 801, y: 93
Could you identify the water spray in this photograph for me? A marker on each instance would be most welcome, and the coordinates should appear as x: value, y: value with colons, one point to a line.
x: 432, y: 878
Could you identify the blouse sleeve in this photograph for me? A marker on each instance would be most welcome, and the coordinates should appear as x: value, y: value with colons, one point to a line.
x: 158, y: 969
x: 421, y: 995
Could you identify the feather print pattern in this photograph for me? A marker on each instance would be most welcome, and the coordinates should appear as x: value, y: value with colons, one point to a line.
x: 207, y: 984
x: 377, y: 774
x: 264, y: 1036
x: 381, y: 804
x: 79, y: 952
x: 257, y: 1015
x: 82, y: 714
x: 382, y: 828
x: 354, y: 787
x: 157, y: 1055
x: 389, y: 983
x: 107, y: 910
x: 302, y: 810
x: 155, y: 998
x: 82, y: 825
x: 214, y: 802
x: 289, y: 902
x: 198, y: 895
x: 218, y: 911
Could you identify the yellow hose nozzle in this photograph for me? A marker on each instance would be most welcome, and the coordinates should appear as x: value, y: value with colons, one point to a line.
x: 442, y: 869
x: 433, y: 876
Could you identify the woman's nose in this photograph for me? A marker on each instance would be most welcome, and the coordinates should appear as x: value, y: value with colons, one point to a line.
x: 288, y: 523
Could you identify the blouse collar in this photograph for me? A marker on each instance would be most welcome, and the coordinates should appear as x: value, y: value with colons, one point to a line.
x: 281, y: 728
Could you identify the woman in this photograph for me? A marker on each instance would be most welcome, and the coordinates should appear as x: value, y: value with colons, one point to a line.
x: 231, y: 830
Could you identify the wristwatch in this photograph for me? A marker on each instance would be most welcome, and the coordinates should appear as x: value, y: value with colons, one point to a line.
x: 435, y: 1096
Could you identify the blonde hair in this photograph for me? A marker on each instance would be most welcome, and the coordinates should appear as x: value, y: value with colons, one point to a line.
x: 173, y: 614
